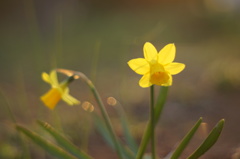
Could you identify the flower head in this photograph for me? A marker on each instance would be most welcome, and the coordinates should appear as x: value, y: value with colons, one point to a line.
x: 58, y: 91
x: 156, y: 68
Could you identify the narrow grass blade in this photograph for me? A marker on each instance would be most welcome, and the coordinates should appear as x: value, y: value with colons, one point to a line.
x: 102, y: 128
x: 127, y: 134
x: 63, y: 141
x: 46, y: 145
x: 186, y: 140
x: 209, y: 141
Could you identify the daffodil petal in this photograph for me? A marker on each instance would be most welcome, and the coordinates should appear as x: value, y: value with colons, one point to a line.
x: 169, y: 82
x: 139, y: 65
x: 174, y: 68
x: 53, y: 78
x: 46, y: 77
x: 145, y: 81
x: 70, y: 100
x: 167, y: 54
x: 51, y: 98
x: 150, y: 52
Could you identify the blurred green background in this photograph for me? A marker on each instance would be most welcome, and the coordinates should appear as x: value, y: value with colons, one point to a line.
x: 98, y: 38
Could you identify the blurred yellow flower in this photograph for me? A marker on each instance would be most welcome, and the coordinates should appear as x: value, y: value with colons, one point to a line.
x: 58, y: 91
x: 156, y: 68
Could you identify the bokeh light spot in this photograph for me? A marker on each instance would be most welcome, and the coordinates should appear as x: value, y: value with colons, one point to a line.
x: 87, y: 106
x: 111, y: 101
x: 204, y: 129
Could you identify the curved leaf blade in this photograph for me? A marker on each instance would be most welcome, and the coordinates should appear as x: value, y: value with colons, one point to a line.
x: 63, y: 141
x: 126, y: 131
x: 46, y: 145
x: 183, y: 144
x: 209, y: 141
x: 101, y: 127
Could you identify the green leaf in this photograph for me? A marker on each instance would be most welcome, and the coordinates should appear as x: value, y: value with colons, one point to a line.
x: 127, y: 134
x: 46, y: 145
x: 161, y: 100
x: 101, y: 126
x: 63, y: 141
x: 209, y: 141
x: 157, y: 113
x: 186, y: 140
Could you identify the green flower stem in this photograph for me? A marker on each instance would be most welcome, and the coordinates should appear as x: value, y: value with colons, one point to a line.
x: 106, y: 118
x: 157, y: 112
x: 100, y: 103
x: 152, y: 121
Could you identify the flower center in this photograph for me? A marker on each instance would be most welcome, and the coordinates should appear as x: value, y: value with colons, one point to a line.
x: 159, y: 78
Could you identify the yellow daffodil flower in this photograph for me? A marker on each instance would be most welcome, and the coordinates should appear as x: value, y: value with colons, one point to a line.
x: 156, y: 68
x: 58, y: 91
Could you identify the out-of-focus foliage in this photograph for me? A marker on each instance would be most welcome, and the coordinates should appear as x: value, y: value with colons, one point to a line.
x: 37, y: 36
